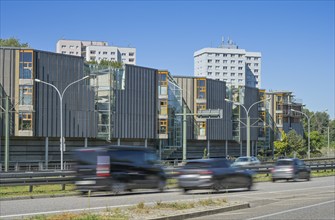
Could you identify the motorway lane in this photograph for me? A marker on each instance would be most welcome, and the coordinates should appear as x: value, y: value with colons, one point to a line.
x: 263, y: 193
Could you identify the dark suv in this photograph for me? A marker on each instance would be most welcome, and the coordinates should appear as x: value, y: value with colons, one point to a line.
x: 118, y: 169
x: 290, y: 168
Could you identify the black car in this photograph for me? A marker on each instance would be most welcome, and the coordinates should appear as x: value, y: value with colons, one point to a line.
x: 118, y: 169
x: 213, y: 174
x: 290, y: 169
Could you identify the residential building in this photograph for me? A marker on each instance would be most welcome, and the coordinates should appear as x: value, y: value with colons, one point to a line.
x: 97, y: 51
x: 228, y: 63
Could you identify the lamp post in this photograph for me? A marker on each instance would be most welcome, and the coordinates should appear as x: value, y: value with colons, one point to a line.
x: 248, y: 119
x: 309, y: 131
x: 61, y: 95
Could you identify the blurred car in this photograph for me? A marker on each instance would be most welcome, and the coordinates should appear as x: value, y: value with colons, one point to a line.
x: 118, y: 169
x: 213, y: 174
x: 291, y: 168
x: 246, y: 161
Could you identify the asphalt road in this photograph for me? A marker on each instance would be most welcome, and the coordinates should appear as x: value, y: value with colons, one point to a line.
x: 281, y: 200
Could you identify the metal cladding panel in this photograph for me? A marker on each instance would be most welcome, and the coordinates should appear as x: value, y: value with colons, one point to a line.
x: 7, y: 81
x: 136, y: 105
x: 61, y: 70
x: 216, y: 93
x: 251, y: 95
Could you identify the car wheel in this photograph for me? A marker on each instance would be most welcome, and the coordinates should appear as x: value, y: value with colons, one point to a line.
x: 185, y: 190
x: 161, y: 185
x: 117, y: 187
x: 216, y: 185
x: 273, y: 180
x: 250, y: 183
x: 295, y: 178
x: 308, y: 177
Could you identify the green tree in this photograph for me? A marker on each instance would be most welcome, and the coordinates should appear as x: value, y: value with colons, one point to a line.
x: 317, y: 142
x: 281, y: 147
x: 114, y: 64
x: 296, y: 144
x: 12, y: 42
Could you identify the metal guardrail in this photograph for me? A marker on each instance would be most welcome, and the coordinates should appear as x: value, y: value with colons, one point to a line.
x: 68, y: 177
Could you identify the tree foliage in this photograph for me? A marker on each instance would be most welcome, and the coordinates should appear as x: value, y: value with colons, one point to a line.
x: 113, y: 64
x: 290, y: 145
x: 12, y: 42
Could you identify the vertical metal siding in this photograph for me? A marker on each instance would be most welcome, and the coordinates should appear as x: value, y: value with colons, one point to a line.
x: 136, y: 105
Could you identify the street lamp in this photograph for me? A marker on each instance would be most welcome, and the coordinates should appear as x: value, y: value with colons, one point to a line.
x: 309, y: 131
x: 248, y: 119
x: 61, y: 95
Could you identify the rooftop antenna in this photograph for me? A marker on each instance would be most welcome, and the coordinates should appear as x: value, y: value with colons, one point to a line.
x: 222, y: 41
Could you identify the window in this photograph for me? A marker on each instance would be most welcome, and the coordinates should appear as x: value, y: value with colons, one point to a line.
x: 201, y: 89
x: 256, y: 70
x: 233, y: 80
x: 92, y: 52
x: 255, y: 64
x: 201, y: 106
x: 232, y: 61
x: 209, y: 61
x: 232, y: 74
x: 248, y: 58
x: 123, y: 54
x: 225, y: 61
x: 240, y: 80
x: 225, y: 55
x: 63, y: 52
x: 209, y: 73
x: 131, y: 54
x: 255, y: 58
x: 240, y: 74
x: 25, y: 95
x: 217, y: 67
x: 104, y: 52
x: 71, y: 47
x: 63, y: 46
x: 25, y: 65
x: 209, y: 67
x: 71, y: 52
x: 232, y: 55
x: 217, y: 61
x: 248, y: 64
x: 217, y: 54
x: 210, y: 54
x: 225, y: 74
x: 240, y: 55
x: 163, y: 126
x: 131, y: 60
x: 240, y: 68
x: 25, y: 120
x: 232, y: 68
x: 224, y: 67
x: 240, y: 61
x: 217, y: 73
x: 112, y: 53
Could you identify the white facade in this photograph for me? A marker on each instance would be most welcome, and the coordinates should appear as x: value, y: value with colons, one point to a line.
x: 97, y: 51
x: 236, y: 67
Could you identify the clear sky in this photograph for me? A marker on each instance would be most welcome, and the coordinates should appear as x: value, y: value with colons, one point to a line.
x: 296, y: 38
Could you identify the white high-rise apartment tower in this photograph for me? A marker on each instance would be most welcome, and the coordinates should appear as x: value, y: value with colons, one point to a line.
x: 97, y: 51
x: 228, y: 63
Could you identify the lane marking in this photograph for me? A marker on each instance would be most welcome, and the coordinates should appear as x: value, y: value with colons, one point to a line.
x: 292, y: 210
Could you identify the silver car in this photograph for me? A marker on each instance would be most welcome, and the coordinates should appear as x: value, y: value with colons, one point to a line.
x: 213, y: 174
x: 290, y: 169
x: 246, y: 161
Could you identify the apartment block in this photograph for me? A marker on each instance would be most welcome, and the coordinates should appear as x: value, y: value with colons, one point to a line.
x: 97, y: 51
x: 228, y: 63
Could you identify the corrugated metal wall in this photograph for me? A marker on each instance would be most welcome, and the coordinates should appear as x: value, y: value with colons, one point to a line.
x: 79, y: 119
x: 218, y: 129
x: 136, y: 106
x: 7, y: 83
x: 251, y: 95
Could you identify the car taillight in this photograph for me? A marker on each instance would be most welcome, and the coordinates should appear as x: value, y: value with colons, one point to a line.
x: 272, y: 169
x: 103, y: 170
x: 205, y: 172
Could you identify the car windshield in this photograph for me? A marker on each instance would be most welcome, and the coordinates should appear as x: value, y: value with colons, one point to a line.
x: 242, y: 159
x: 284, y: 163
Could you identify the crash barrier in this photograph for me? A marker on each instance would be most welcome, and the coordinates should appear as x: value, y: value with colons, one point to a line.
x: 68, y: 177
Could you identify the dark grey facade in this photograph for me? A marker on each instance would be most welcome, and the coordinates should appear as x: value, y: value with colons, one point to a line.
x: 136, y: 106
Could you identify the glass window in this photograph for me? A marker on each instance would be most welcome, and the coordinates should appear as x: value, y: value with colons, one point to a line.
x: 25, y: 95
x: 26, y: 57
x: 25, y: 121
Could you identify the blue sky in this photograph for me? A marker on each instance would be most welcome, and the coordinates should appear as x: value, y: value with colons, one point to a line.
x: 296, y: 38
